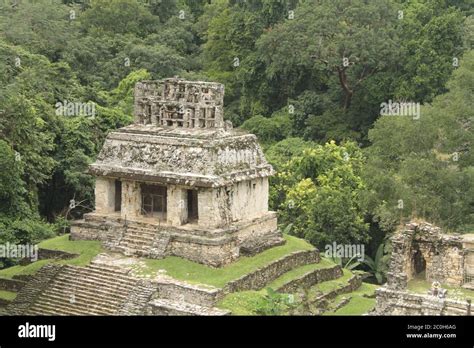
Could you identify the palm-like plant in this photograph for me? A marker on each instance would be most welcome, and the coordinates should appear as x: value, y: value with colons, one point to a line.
x: 350, y: 264
x: 378, y: 264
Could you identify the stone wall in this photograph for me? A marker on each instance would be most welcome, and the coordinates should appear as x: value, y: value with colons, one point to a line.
x: 104, y: 195
x: 175, y: 102
x: 417, y: 243
x: 11, y: 284
x: 259, y: 278
x: 249, y: 199
x: 210, y: 207
x: 399, y: 302
x: 353, y: 284
x: 443, y: 256
x: 215, y: 254
x: 309, y: 279
x: 184, y: 292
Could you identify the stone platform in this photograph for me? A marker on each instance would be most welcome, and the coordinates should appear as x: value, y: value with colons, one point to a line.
x: 147, y: 238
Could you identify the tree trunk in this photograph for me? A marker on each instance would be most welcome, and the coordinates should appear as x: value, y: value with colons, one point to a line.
x: 345, y: 86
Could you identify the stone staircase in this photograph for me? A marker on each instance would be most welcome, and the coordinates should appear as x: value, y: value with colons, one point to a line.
x: 33, y: 289
x: 143, y: 242
x: 139, y: 298
x: 170, y: 307
x: 105, y: 289
x: 91, y: 290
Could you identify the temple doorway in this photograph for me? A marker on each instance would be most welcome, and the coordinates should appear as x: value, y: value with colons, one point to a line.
x: 118, y: 195
x: 419, y: 265
x: 154, y: 201
x: 192, y: 196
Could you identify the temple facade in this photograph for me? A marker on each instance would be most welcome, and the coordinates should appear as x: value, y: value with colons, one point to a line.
x: 180, y: 181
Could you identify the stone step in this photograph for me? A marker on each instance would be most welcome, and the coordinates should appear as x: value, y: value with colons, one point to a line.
x: 169, y: 307
x: 76, y: 284
x: 140, y: 228
x: 98, y: 271
x: 55, y: 308
x: 89, y: 294
x: 140, y: 232
x: 131, y: 251
x: 88, y: 285
x: 80, y: 278
x: 98, y: 289
x: 41, y: 310
x: 133, y: 244
x: 54, y: 302
x: 139, y: 236
x: 104, y: 268
x: 65, y: 290
x: 81, y: 304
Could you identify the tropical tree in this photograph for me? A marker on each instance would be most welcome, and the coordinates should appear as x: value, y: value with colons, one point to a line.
x: 319, y: 193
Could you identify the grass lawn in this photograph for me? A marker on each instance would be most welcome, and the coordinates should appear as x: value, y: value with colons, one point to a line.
x: 86, y: 250
x: 359, y: 304
x: 242, y: 302
x: 7, y: 295
x: 330, y: 285
x: 197, y: 273
x: 421, y: 286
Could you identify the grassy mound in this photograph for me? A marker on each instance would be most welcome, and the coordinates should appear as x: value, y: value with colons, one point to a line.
x: 243, y: 302
x: 248, y: 302
x: 7, y: 295
x: 359, y: 302
x: 197, y: 273
x: 298, y: 272
x: 86, y: 250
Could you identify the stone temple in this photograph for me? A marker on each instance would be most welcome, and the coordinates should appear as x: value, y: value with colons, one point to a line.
x: 420, y: 250
x: 180, y: 181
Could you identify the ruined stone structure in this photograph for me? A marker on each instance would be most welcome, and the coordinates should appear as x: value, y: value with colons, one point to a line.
x: 180, y: 181
x: 421, y: 250
x: 418, y: 248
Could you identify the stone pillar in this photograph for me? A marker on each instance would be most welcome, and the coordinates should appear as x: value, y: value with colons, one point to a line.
x: 104, y: 195
x: 131, y: 199
x: 208, y: 207
x: 177, y: 208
